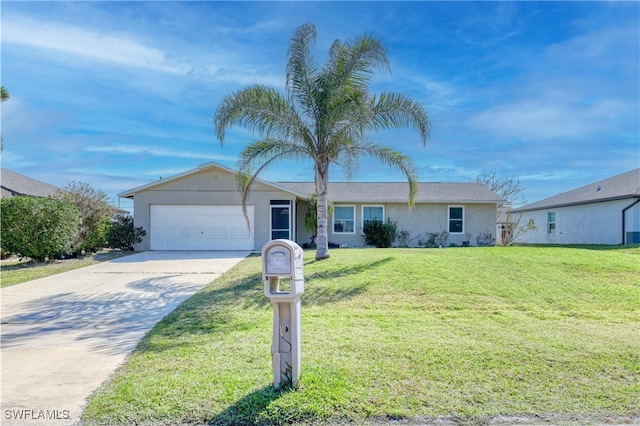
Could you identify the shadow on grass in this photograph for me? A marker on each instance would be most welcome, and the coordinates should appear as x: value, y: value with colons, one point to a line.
x: 216, y: 308
x: 600, y: 247
x: 251, y: 409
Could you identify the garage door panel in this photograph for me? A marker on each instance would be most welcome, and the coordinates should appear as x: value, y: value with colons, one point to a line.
x: 194, y: 227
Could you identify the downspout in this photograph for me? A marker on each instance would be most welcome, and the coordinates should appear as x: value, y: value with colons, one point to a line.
x: 623, y: 217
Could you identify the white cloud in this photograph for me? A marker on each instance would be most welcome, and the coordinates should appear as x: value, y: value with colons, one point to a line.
x: 157, y: 152
x: 114, y: 48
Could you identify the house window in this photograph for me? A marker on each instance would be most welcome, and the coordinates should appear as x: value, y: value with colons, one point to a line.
x: 456, y: 220
x: 344, y: 219
x: 551, y: 222
x: 371, y: 213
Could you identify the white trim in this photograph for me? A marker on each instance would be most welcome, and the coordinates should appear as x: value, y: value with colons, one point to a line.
x: 449, y: 207
x: 382, y: 219
x: 333, y: 222
x: 271, y: 207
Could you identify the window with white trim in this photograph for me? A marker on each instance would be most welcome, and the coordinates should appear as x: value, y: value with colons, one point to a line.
x: 456, y: 219
x: 551, y: 222
x: 370, y: 213
x: 344, y: 219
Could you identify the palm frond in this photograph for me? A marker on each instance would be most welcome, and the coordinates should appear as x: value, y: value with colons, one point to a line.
x: 388, y: 157
x: 302, y: 70
x: 258, y: 108
x: 394, y: 110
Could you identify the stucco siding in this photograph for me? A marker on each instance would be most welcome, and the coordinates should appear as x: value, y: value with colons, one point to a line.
x: 479, y: 219
x: 596, y: 223
x: 213, y: 187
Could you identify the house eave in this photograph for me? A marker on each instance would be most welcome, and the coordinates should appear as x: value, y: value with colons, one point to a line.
x: 131, y: 193
x: 575, y: 203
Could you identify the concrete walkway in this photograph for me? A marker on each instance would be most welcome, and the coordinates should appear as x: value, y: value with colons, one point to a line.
x: 63, y: 335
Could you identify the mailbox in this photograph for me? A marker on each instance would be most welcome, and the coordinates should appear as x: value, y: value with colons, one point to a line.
x: 282, y: 260
x: 283, y: 277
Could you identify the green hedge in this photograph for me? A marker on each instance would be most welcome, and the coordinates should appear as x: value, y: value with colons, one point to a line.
x: 38, y: 228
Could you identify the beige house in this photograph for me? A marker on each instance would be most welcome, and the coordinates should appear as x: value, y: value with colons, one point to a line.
x: 201, y: 209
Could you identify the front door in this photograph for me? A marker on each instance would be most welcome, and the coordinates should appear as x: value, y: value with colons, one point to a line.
x: 280, y: 220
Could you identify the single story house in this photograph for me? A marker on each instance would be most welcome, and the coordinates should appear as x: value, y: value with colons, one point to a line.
x: 201, y: 210
x: 603, y: 212
x: 13, y: 184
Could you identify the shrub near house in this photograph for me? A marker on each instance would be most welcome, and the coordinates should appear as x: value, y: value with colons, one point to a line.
x: 39, y: 228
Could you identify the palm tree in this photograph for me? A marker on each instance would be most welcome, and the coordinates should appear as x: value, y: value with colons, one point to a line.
x: 4, y: 96
x: 325, y: 117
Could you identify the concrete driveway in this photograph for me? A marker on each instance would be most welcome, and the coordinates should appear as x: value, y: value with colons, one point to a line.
x: 63, y: 335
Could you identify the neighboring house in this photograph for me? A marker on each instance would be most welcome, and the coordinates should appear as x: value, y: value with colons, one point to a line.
x: 14, y: 184
x: 201, y: 210
x: 604, y: 212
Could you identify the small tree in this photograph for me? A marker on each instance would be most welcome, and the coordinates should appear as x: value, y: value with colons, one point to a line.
x: 96, y: 213
x: 122, y: 234
x: 38, y: 228
x: 510, y: 189
x: 379, y: 234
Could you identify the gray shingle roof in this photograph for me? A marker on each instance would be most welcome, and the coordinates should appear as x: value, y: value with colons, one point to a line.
x: 625, y: 185
x: 398, y: 192
x: 16, y: 184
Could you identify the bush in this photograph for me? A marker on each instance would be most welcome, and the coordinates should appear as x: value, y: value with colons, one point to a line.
x: 95, y: 211
x: 39, y: 228
x: 380, y: 234
x: 122, y: 235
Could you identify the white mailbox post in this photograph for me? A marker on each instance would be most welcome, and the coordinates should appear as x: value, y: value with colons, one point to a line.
x: 283, y: 277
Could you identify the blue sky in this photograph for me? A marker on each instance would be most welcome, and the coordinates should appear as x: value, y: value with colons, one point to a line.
x: 119, y: 94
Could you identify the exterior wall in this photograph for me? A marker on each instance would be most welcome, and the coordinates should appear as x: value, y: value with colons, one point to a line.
x: 597, y: 223
x: 209, y: 187
x: 479, y: 219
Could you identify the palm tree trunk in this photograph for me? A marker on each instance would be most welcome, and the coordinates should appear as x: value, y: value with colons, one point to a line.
x: 322, y: 239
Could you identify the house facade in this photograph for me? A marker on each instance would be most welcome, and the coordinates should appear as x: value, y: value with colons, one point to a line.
x: 201, y: 209
x: 604, y: 212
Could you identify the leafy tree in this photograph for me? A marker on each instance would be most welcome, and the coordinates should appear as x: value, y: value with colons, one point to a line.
x: 325, y: 116
x: 39, y: 228
x: 379, y: 234
x: 96, y: 213
x: 122, y: 234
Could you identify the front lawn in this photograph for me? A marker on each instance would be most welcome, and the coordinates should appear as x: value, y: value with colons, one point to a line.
x: 421, y: 335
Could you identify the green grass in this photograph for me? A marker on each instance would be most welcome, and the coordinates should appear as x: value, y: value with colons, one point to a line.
x: 19, y: 271
x: 412, y: 334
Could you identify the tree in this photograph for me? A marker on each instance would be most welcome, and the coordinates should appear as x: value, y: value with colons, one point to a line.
x: 511, y: 190
x: 122, y: 234
x: 4, y: 96
x: 325, y: 116
x: 311, y: 216
x: 39, y: 228
x: 96, y: 213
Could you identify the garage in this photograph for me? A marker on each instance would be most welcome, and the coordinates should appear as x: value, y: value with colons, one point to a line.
x: 200, y: 227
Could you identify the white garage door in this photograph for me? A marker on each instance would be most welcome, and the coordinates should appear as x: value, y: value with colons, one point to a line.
x: 200, y: 228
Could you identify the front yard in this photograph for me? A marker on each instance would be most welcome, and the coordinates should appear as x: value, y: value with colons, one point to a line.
x: 419, y: 335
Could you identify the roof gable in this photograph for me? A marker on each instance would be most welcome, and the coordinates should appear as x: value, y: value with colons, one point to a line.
x: 17, y: 184
x: 625, y: 185
x: 208, y: 176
